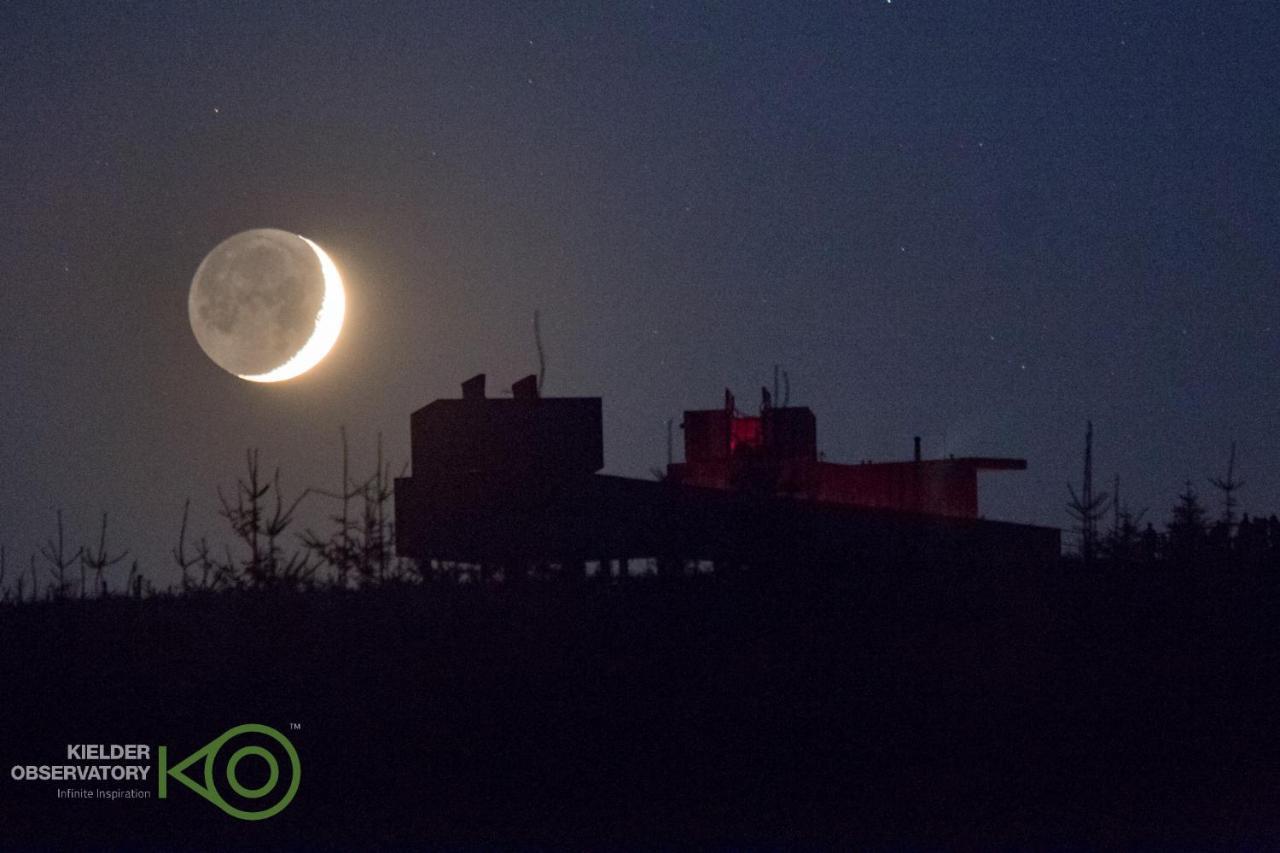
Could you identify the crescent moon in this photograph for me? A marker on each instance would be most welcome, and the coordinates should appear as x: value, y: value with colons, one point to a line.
x: 328, y: 325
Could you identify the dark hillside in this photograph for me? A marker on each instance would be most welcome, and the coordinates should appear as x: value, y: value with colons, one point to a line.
x: 928, y: 706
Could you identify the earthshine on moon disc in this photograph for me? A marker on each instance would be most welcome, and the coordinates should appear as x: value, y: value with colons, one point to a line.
x: 266, y: 305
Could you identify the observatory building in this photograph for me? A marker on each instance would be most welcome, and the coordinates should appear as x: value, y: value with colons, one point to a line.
x: 514, y: 481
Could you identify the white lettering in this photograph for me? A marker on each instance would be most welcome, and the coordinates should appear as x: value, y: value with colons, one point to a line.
x: 108, y: 751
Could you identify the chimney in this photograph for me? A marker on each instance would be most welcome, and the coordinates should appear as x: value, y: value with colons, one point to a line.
x: 473, y: 388
x: 526, y: 389
x: 917, y: 448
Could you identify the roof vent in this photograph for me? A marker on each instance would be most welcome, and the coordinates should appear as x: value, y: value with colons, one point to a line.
x: 473, y: 388
x: 526, y: 389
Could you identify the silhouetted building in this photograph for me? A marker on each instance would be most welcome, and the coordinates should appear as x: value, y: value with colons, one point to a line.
x: 513, y: 481
x: 777, y: 452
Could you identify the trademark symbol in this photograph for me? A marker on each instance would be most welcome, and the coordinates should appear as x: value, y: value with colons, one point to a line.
x: 295, y: 727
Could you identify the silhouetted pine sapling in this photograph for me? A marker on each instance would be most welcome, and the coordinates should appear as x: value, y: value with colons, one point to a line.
x: 1086, y: 507
x: 208, y: 575
x: 136, y: 586
x: 336, y: 550
x: 361, y: 548
x: 375, y: 543
x: 376, y: 561
x: 1251, y: 542
x: 266, y: 564
x: 35, y: 581
x: 98, y: 561
x: 1123, y: 542
x: 1245, y: 538
x: 1186, y: 528
x: 55, y: 554
x: 1228, y: 486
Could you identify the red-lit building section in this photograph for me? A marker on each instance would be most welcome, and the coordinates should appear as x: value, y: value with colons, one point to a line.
x: 776, y: 453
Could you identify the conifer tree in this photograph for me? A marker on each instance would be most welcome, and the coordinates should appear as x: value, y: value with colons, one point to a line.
x: 1086, y: 507
x: 1228, y: 486
x: 1186, y: 528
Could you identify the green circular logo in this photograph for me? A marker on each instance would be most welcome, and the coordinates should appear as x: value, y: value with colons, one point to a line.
x: 209, y: 753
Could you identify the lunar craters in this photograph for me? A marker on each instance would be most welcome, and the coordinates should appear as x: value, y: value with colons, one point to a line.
x: 254, y: 300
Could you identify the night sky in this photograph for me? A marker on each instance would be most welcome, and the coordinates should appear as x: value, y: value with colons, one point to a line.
x: 982, y: 223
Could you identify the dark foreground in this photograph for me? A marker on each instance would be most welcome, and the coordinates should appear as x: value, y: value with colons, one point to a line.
x: 922, y: 707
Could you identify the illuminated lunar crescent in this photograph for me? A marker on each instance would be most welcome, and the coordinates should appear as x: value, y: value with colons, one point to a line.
x: 266, y: 305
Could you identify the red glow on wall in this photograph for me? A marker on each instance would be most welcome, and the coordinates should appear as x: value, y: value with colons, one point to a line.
x: 744, y: 432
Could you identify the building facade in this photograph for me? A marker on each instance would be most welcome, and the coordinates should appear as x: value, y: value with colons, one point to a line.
x: 515, y: 481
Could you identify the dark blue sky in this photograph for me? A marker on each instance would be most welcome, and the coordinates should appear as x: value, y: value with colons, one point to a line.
x: 979, y: 222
